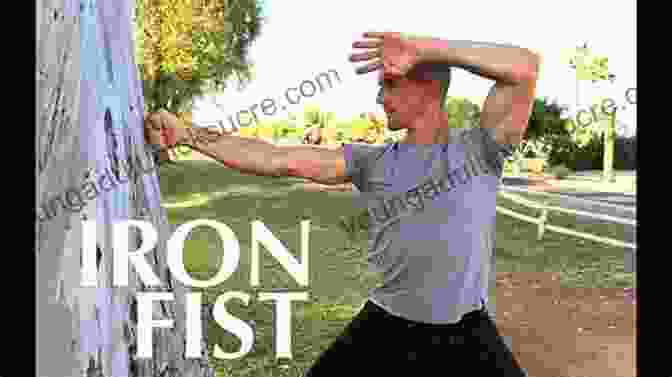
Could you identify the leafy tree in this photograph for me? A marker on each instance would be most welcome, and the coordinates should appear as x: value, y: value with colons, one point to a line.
x: 559, y: 138
x: 461, y: 112
x: 284, y: 128
x: 589, y: 66
x: 548, y: 131
x: 327, y: 119
x: 320, y: 124
x: 594, y: 68
x: 314, y: 116
x: 546, y: 119
x: 188, y: 47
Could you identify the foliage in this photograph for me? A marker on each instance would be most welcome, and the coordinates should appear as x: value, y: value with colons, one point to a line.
x: 547, y: 130
x: 461, y: 112
x: 188, y: 47
x: 313, y: 116
x: 284, y: 128
x: 545, y: 118
x: 586, y: 157
x: 343, y: 131
x: 591, y: 156
x: 561, y: 171
x: 562, y: 140
x: 595, y: 68
x: 589, y: 66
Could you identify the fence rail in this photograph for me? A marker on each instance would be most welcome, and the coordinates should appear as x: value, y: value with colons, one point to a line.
x: 568, y: 197
x: 544, y: 208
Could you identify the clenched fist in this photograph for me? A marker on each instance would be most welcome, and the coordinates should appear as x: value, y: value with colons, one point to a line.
x: 162, y: 130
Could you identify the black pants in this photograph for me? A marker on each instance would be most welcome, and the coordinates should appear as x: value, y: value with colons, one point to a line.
x: 376, y: 343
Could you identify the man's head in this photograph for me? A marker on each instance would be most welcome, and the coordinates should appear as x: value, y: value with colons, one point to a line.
x: 406, y: 98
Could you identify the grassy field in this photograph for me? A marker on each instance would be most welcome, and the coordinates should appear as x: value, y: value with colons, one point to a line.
x: 338, y: 277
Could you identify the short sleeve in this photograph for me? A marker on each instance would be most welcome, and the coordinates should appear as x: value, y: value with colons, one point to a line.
x: 358, y: 158
x: 503, y: 151
x: 484, y: 144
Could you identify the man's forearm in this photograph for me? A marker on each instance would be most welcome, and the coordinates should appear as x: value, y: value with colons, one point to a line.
x: 499, y: 62
x: 247, y: 155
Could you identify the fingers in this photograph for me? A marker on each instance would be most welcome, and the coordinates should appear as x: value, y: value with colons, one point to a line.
x: 157, y: 131
x: 367, y: 44
x: 376, y: 34
x: 152, y: 132
x: 169, y: 119
x: 363, y: 56
x: 375, y: 55
x: 155, y: 121
x: 376, y: 65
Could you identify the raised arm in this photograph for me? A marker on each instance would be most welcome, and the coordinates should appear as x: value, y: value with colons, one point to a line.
x: 508, y: 106
x: 255, y: 156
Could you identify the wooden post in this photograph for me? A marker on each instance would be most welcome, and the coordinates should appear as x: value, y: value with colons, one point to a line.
x: 542, y: 221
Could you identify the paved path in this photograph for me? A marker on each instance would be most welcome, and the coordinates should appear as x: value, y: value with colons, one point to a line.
x: 588, y: 186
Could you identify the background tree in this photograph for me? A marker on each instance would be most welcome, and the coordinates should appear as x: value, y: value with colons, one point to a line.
x: 549, y: 133
x: 186, y: 48
x: 462, y: 112
x: 320, y: 125
x: 594, y: 68
x: 552, y: 135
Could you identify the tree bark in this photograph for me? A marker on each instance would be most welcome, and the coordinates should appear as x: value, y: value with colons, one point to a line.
x: 609, y: 146
x: 89, y: 118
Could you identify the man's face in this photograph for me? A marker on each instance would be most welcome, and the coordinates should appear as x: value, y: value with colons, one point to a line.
x: 405, y: 99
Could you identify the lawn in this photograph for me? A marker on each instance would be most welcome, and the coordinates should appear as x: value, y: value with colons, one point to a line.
x: 338, y: 277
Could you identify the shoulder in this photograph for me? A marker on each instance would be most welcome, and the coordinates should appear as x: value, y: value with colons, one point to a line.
x: 359, y: 151
x: 479, y: 136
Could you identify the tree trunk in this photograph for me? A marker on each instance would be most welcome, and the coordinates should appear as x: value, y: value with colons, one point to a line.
x: 609, y: 145
x: 92, y: 164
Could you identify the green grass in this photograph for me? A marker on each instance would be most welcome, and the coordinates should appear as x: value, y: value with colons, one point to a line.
x: 338, y: 277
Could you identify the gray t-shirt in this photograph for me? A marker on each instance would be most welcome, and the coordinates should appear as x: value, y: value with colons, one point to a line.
x: 431, y: 212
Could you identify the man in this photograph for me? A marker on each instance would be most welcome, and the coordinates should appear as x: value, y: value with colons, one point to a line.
x: 431, y: 202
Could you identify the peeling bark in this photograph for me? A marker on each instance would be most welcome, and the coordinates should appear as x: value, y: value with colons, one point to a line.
x: 86, y: 69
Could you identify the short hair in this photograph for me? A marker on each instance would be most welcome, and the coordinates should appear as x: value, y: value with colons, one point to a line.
x: 435, y: 71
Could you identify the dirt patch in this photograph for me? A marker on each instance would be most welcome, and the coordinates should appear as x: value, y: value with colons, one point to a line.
x: 566, y: 332
x: 557, y: 331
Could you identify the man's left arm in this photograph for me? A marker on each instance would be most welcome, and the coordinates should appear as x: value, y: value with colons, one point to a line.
x: 508, y: 105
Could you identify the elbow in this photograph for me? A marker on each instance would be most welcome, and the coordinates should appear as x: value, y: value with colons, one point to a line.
x: 531, y: 71
x: 527, y: 69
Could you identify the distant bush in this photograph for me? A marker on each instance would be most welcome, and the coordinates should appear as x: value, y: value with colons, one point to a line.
x: 560, y: 171
x: 591, y: 155
x: 462, y: 113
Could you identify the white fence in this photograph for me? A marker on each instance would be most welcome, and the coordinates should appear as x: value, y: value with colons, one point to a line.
x: 544, y: 207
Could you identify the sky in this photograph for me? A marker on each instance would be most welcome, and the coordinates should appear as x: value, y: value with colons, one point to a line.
x: 302, y: 38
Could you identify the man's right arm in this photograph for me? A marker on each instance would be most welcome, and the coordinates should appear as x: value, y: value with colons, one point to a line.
x: 250, y: 155
x: 258, y: 157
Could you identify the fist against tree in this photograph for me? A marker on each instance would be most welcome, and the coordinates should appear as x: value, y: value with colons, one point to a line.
x: 166, y: 131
